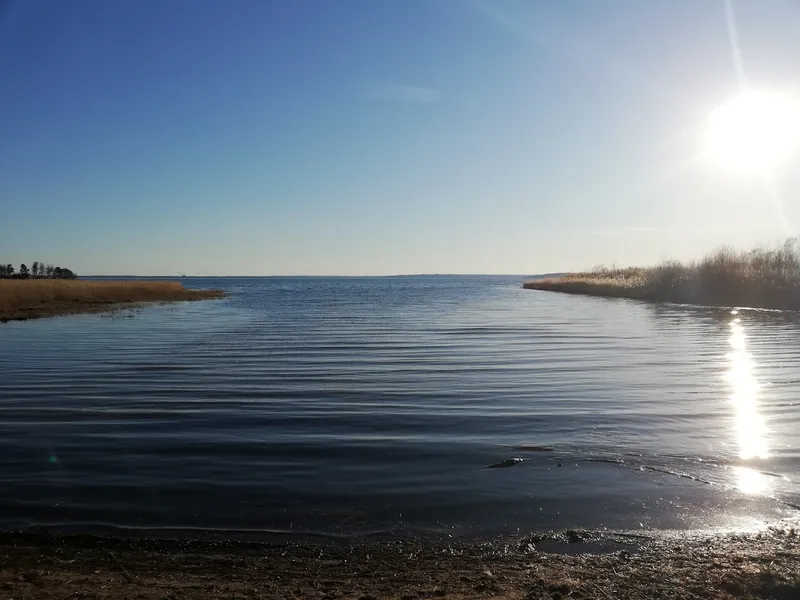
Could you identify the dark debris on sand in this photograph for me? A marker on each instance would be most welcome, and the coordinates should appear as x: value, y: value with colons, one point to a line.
x: 765, y: 565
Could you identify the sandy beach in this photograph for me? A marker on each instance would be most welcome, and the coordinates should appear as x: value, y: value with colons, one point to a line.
x: 755, y: 565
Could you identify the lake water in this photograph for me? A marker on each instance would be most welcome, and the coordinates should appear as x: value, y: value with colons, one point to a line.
x: 361, y: 406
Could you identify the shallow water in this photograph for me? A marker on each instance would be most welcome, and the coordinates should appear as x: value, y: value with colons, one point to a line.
x: 341, y: 406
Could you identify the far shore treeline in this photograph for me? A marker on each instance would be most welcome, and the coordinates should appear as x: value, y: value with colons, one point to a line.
x: 37, y: 270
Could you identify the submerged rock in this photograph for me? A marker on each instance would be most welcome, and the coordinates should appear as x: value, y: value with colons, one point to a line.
x: 510, y: 462
x: 533, y: 448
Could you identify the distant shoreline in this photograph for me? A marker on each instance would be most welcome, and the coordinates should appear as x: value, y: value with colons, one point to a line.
x: 23, y: 299
x: 760, y: 278
x: 694, y: 565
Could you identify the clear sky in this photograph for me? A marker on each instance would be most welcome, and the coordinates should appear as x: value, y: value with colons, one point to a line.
x: 373, y: 137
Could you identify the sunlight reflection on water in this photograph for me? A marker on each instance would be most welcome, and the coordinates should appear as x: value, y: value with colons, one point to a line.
x: 750, y: 429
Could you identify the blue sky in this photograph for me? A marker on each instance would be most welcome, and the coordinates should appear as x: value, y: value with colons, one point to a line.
x: 362, y: 137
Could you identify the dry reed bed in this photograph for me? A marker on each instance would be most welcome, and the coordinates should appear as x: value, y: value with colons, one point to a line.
x: 760, y: 278
x: 31, y: 298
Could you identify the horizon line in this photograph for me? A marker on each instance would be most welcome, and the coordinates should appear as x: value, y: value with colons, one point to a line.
x: 324, y: 276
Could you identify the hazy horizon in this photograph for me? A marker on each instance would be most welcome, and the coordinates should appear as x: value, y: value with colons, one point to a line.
x: 362, y: 138
x: 317, y: 276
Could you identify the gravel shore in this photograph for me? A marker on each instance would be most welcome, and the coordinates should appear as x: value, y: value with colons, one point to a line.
x: 565, y: 565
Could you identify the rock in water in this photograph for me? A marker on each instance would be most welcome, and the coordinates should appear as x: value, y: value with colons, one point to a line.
x: 532, y: 448
x: 510, y: 462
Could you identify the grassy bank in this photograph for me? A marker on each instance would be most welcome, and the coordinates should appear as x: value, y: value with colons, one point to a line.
x: 687, y: 568
x: 32, y: 298
x: 760, y: 278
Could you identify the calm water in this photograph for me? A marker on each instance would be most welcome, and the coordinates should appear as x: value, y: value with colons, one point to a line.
x: 373, y: 405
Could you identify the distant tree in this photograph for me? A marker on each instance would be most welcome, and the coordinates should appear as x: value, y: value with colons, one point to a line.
x: 35, y: 268
x: 23, y: 270
x: 49, y: 270
x: 2, y: 270
x: 57, y: 272
x: 9, y: 270
x: 67, y: 274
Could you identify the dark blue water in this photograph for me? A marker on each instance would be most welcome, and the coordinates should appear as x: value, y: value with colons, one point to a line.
x: 353, y: 406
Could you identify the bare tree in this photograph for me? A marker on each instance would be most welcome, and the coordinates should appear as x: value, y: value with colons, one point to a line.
x: 35, y: 268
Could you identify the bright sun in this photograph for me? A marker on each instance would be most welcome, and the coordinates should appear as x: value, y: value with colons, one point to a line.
x: 755, y: 131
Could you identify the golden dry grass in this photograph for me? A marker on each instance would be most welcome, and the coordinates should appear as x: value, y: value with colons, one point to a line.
x: 759, y: 278
x: 32, y: 298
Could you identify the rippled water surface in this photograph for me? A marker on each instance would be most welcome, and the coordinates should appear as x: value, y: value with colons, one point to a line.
x: 373, y: 405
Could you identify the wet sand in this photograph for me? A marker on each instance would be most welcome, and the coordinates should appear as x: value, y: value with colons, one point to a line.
x: 763, y: 565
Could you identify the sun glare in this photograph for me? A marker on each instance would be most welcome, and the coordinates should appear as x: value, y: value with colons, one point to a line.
x: 749, y: 426
x: 750, y: 430
x: 755, y: 131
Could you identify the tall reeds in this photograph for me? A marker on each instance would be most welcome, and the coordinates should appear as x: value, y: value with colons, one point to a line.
x: 763, y: 277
